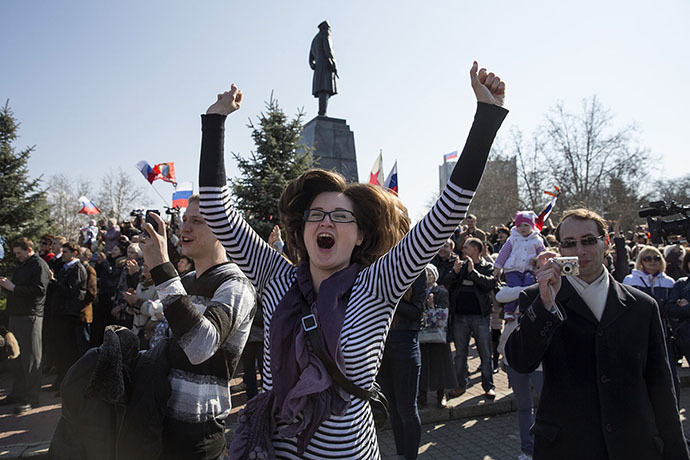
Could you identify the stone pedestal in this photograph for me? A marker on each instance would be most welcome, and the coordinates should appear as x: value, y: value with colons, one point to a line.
x: 334, y: 145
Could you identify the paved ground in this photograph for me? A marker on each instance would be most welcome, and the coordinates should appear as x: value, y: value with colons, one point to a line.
x: 481, y: 438
x: 471, y: 427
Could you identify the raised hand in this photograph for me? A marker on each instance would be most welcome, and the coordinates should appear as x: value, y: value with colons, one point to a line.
x: 430, y: 301
x: 275, y: 237
x: 154, y: 246
x: 457, y: 265
x: 132, y: 266
x: 227, y: 102
x: 130, y: 297
x: 487, y: 87
x: 548, y: 278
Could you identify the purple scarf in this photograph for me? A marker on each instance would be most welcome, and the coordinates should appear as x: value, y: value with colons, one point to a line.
x: 301, y: 384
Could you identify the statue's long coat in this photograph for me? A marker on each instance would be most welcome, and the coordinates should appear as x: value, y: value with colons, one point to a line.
x: 322, y: 61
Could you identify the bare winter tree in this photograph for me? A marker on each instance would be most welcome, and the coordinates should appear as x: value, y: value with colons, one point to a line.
x: 586, y: 151
x: 119, y: 194
x: 672, y: 189
x: 532, y: 180
x: 63, y: 200
x: 596, y: 164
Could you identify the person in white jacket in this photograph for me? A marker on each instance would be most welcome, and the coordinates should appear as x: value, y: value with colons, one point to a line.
x: 517, y: 256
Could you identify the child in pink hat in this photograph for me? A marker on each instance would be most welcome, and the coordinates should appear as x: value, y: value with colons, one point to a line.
x: 516, y: 257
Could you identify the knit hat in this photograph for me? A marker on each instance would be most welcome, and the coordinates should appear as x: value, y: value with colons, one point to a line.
x: 433, y: 271
x: 525, y: 217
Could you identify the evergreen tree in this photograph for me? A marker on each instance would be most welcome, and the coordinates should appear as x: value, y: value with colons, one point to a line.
x: 278, y: 159
x: 23, y: 209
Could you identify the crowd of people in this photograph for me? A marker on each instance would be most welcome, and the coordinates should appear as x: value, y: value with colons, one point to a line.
x: 144, y: 323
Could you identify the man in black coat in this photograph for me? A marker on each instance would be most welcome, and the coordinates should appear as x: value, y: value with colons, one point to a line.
x: 68, y: 290
x: 607, y: 389
x: 444, y: 262
x: 470, y: 284
x: 26, y: 295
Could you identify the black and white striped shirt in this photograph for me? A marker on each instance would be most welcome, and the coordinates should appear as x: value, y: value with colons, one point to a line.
x: 377, y: 287
x: 210, y: 318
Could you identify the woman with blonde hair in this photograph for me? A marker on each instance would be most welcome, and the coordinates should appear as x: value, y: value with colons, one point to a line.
x: 355, y: 260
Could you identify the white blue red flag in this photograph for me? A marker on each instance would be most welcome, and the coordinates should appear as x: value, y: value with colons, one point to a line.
x: 544, y: 214
x: 180, y: 198
x: 376, y: 174
x: 391, y: 182
x: 162, y: 171
x: 87, y: 206
x: 145, y: 168
x: 450, y: 155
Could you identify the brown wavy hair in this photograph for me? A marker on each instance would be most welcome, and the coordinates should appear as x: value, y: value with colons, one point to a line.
x: 381, y: 216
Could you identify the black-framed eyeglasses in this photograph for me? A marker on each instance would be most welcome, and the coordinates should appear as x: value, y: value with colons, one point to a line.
x: 339, y: 216
x: 651, y: 259
x: 586, y: 241
x: 45, y: 242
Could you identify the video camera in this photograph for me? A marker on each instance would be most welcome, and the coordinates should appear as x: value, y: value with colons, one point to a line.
x: 660, y: 229
x: 174, y: 214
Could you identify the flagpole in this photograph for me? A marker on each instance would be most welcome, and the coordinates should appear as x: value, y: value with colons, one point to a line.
x: 165, y: 203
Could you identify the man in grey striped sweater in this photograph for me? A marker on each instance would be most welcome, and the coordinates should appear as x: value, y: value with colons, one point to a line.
x: 209, y: 314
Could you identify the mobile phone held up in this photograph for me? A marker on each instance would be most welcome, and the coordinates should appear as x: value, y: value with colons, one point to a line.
x: 150, y: 220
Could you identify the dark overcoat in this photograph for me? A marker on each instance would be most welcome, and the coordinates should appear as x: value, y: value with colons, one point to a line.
x: 323, y: 64
x: 607, y: 389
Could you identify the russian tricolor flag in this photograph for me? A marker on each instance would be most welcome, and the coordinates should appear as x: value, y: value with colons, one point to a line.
x: 544, y: 214
x: 87, y: 206
x: 450, y: 155
x: 180, y: 198
x: 391, y: 182
x: 145, y: 168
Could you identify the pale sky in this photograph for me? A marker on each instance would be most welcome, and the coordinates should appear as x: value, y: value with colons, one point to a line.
x: 102, y: 85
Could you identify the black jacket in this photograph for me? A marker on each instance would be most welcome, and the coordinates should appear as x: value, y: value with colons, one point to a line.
x: 680, y: 290
x: 114, y: 402
x: 31, y: 280
x: 109, y: 273
x: 483, y: 280
x: 445, y: 267
x: 621, y: 267
x: 69, y: 290
x: 607, y: 389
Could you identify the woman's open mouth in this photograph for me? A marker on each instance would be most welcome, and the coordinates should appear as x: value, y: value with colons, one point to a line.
x: 325, y: 241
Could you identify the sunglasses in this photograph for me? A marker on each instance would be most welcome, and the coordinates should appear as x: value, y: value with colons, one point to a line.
x: 339, y: 216
x: 586, y: 241
x: 651, y: 259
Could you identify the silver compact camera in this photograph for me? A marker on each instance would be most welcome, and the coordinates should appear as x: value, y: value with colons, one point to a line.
x: 569, y: 265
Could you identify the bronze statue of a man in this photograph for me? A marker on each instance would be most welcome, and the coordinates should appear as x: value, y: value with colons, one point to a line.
x: 322, y: 62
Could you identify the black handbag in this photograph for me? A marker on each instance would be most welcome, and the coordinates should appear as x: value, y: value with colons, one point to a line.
x: 377, y: 400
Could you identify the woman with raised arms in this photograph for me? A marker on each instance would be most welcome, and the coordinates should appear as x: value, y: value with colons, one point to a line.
x: 355, y: 259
